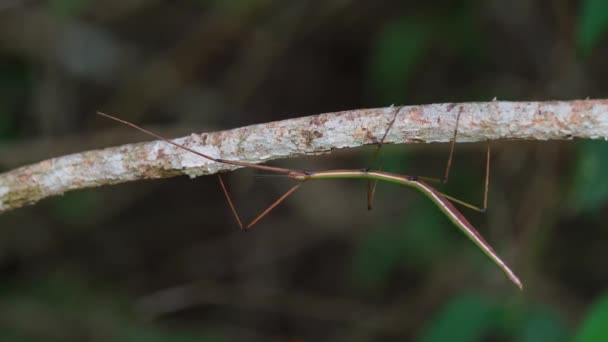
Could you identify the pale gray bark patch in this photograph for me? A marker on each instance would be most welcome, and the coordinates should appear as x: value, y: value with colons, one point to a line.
x: 495, y: 120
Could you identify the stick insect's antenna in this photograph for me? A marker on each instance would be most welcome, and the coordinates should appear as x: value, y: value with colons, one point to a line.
x: 218, y: 160
x: 371, y: 188
x: 223, y: 186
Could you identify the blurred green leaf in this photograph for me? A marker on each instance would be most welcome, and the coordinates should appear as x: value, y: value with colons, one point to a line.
x: 75, y: 207
x: 465, y: 318
x: 68, y: 8
x: 459, y: 31
x: 393, y: 158
x: 376, y: 259
x: 417, y: 241
x: 476, y: 318
x: 399, y: 48
x: 543, y: 325
x: 590, y: 184
x: 595, y: 326
x: 426, y: 234
x: 593, y: 24
x: 15, y: 84
x: 8, y: 124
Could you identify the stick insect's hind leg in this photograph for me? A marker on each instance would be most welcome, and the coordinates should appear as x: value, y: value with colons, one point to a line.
x: 448, y: 167
x: 260, y: 216
x: 371, y: 185
x: 484, y: 208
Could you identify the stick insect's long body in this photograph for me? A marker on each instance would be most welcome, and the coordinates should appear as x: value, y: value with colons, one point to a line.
x: 437, y: 198
x: 440, y: 200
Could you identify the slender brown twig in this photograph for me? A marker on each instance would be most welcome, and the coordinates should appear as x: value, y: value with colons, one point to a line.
x: 484, y: 121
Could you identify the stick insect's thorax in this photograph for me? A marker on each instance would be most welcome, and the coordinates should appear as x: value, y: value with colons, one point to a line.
x: 355, y: 174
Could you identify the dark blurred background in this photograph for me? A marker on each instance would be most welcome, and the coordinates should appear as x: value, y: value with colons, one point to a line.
x: 164, y: 261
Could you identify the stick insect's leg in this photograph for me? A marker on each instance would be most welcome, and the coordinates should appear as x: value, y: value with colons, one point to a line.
x: 447, y: 174
x: 260, y: 216
x: 371, y: 186
x: 232, y: 208
x: 486, y: 188
x: 371, y: 189
x: 448, y: 167
x: 487, y: 182
x: 273, y: 205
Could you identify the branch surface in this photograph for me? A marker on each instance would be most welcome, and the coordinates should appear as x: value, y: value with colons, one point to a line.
x: 315, y: 134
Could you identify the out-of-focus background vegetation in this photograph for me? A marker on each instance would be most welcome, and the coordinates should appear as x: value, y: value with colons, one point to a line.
x: 164, y: 261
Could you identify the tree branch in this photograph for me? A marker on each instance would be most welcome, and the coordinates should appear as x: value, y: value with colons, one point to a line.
x: 302, y: 136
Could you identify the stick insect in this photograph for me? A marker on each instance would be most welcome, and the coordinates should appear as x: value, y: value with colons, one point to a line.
x: 441, y: 200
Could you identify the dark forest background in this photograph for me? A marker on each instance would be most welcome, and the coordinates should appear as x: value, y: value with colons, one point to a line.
x: 164, y: 261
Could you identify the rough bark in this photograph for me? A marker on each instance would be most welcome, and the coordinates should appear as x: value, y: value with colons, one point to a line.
x: 495, y: 120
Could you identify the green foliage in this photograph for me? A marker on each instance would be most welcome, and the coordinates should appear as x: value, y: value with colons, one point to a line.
x: 427, y: 234
x: 420, y: 239
x: 460, y: 34
x: 15, y: 83
x: 590, y: 185
x: 377, y: 257
x: 7, y: 125
x: 542, y: 324
x: 394, y: 158
x: 474, y: 317
x: 68, y: 8
x: 404, y: 43
x: 593, y: 24
x: 594, y: 327
x: 400, y: 46
x: 465, y: 318
x: 76, y: 207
